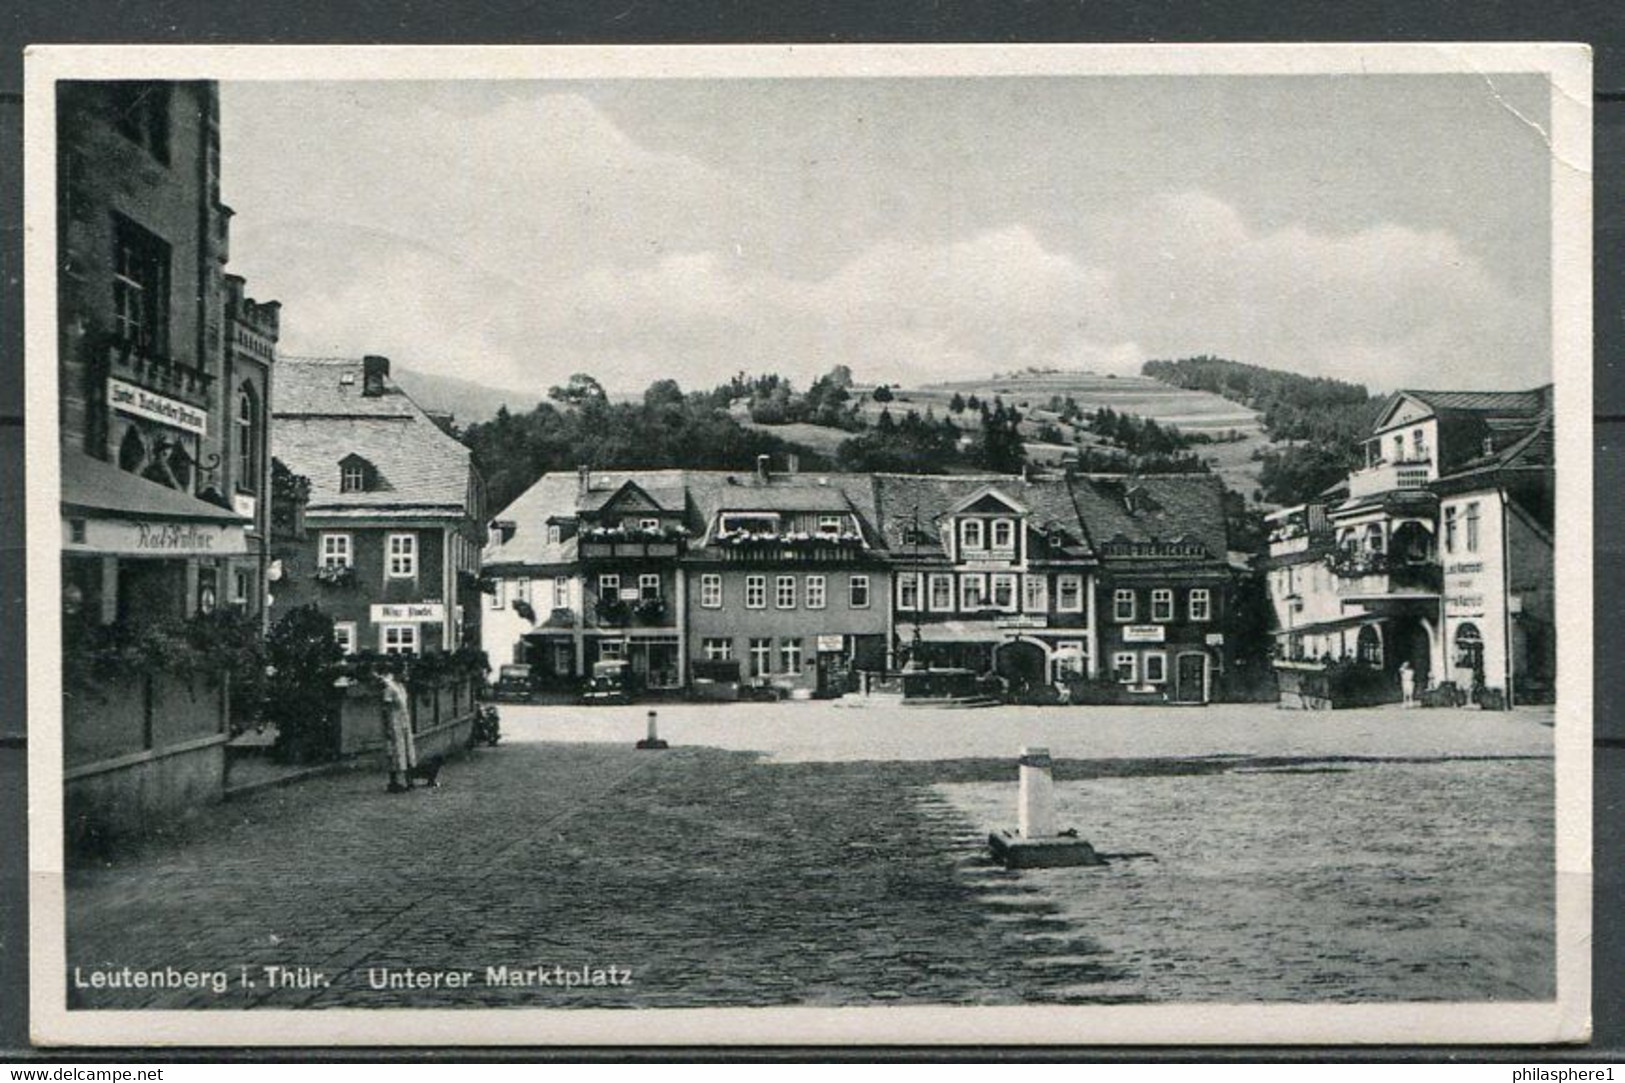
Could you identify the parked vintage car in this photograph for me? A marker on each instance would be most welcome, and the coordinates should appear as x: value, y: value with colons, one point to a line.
x: 610, y: 683
x: 513, y: 684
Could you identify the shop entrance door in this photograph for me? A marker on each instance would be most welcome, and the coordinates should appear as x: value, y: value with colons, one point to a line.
x: 1190, y: 679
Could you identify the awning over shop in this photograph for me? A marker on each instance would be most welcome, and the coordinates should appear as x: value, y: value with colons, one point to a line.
x: 106, y: 510
x: 1341, y: 624
x: 955, y: 631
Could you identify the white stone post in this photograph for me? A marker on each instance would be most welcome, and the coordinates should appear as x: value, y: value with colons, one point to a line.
x: 654, y: 734
x: 1037, y: 811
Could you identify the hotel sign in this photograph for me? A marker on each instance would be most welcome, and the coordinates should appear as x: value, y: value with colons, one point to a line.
x: 412, y: 613
x: 1144, y: 633
x: 1024, y: 621
x: 154, y: 407
x: 150, y: 538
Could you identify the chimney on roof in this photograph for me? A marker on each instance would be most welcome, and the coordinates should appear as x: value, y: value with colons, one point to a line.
x: 763, y: 472
x: 374, y: 370
x: 792, y: 463
x: 583, y: 479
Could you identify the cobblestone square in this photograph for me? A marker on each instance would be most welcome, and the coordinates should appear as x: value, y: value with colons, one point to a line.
x: 804, y: 854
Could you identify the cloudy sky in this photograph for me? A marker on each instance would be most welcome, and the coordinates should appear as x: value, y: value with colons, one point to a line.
x: 1392, y: 230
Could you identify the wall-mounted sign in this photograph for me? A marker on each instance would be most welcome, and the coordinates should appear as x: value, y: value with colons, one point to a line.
x: 631, y: 594
x: 1025, y: 621
x: 1144, y: 633
x: 411, y: 613
x: 245, y: 505
x: 831, y: 644
x: 154, y: 407
x: 1215, y: 639
x: 134, y: 537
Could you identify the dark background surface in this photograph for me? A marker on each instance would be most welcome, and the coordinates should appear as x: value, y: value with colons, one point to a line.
x: 1602, y: 24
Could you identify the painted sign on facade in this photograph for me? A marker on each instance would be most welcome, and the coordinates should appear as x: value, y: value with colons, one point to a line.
x: 1144, y: 633
x: 134, y: 537
x: 143, y: 403
x: 414, y: 613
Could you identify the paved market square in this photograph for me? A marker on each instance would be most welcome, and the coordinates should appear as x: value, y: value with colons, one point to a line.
x: 805, y: 853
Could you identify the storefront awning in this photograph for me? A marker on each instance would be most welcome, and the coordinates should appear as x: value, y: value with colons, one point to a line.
x: 106, y: 510
x: 1339, y: 625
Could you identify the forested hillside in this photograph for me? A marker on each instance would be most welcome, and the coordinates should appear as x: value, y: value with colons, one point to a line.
x: 1317, y: 422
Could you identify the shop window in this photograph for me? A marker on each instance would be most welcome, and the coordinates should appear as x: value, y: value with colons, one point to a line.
x: 1469, y: 644
x: 1070, y: 659
x: 612, y: 650
x: 817, y: 592
x: 140, y: 288
x: 1368, y: 646
x: 1126, y: 666
x: 710, y: 591
x: 403, y: 556
x: 755, y: 592
x: 398, y: 638
x: 858, y: 592
x: 1156, y: 667
x: 761, y: 657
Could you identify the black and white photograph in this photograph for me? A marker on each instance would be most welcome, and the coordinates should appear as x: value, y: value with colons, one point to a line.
x: 810, y: 544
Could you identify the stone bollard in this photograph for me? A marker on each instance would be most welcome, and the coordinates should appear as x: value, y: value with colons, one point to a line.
x: 1036, y: 815
x: 653, y: 741
x: 1037, y: 842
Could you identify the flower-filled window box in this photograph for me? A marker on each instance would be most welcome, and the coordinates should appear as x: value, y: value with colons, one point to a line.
x: 796, y: 539
x: 336, y: 576
x: 651, y: 610
x: 612, y: 611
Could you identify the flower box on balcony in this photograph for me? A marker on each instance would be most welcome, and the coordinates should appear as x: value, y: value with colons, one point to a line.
x: 335, y: 576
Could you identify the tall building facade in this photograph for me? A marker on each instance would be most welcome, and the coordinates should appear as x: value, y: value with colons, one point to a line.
x: 163, y: 427
x: 1434, y: 555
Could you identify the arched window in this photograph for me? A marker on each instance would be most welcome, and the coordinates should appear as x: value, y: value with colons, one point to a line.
x: 248, y: 441
x: 1469, y: 648
x: 132, y: 451
x: 1368, y: 647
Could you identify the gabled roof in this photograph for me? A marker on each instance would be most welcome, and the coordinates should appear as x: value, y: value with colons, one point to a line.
x: 1047, y: 503
x: 988, y: 492
x: 320, y: 421
x: 1154, y: 507
x: 1500, y: 403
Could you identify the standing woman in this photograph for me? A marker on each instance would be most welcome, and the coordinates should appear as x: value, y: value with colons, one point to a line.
x: 402, y: 749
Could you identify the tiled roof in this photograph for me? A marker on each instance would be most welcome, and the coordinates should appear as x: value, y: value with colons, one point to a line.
x: 320, y: 421
x: 1154, y: 507
x: 92, y: 484
x: 1528, y: 447
x: 1049, y: 500
x: 1503, y: 403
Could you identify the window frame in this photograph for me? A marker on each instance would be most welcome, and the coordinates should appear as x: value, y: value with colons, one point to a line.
x: 1035, y: 593
x: 1064, y: 649
x: 791, y: 657
x: 1007, y: 526
x: 944, y: 580
x: 327, y: 559
x: 717, y: 648
x: 755, y: 592
x: 785, y: 592
x: 1473, y: 534
x: 908, y: 583
x: 965, y: 531
x: 1161, y: 658
x: 561, y: 592
x: 1133, y: 663
x: 609, y: 585
x: 759, y: 654
x: 384, y: 631
x: 407, y: 559
x: 644, y: 580
x: 710, y: 590
x: 966, y: 581
x: 1205, y: 596
x: 1008, y: 579
x: 141, y: 286
x: 859, y: 584
x: 831, y: 524
x: 497, y: 593
x: 1162, y: 605
x: 1119, y: 596
x: 345, y: 634
x: 356, y: 470
x: 817, y: 598
x: 1074, y: 581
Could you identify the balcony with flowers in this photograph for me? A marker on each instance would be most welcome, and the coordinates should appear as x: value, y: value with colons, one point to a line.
x: 664, y: 542
x: 747, y: 545
x: 1372, y: 575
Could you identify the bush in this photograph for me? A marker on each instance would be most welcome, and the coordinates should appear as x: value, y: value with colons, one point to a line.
x: 305, y: 660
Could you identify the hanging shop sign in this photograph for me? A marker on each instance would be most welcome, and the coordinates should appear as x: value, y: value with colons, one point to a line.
x: 154, y: 407
x: 412, y: 613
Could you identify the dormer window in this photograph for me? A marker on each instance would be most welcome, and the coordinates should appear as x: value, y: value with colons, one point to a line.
x: 971, y: 534
x: 355, y: 475
x: 1004, y: 534
x: 830, y: 524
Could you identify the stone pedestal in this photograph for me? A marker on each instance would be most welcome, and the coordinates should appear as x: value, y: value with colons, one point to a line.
x: 653, y: 741
x: 1037, y: 842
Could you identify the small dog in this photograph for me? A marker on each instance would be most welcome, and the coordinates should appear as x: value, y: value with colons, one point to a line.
x: 426, y: 771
